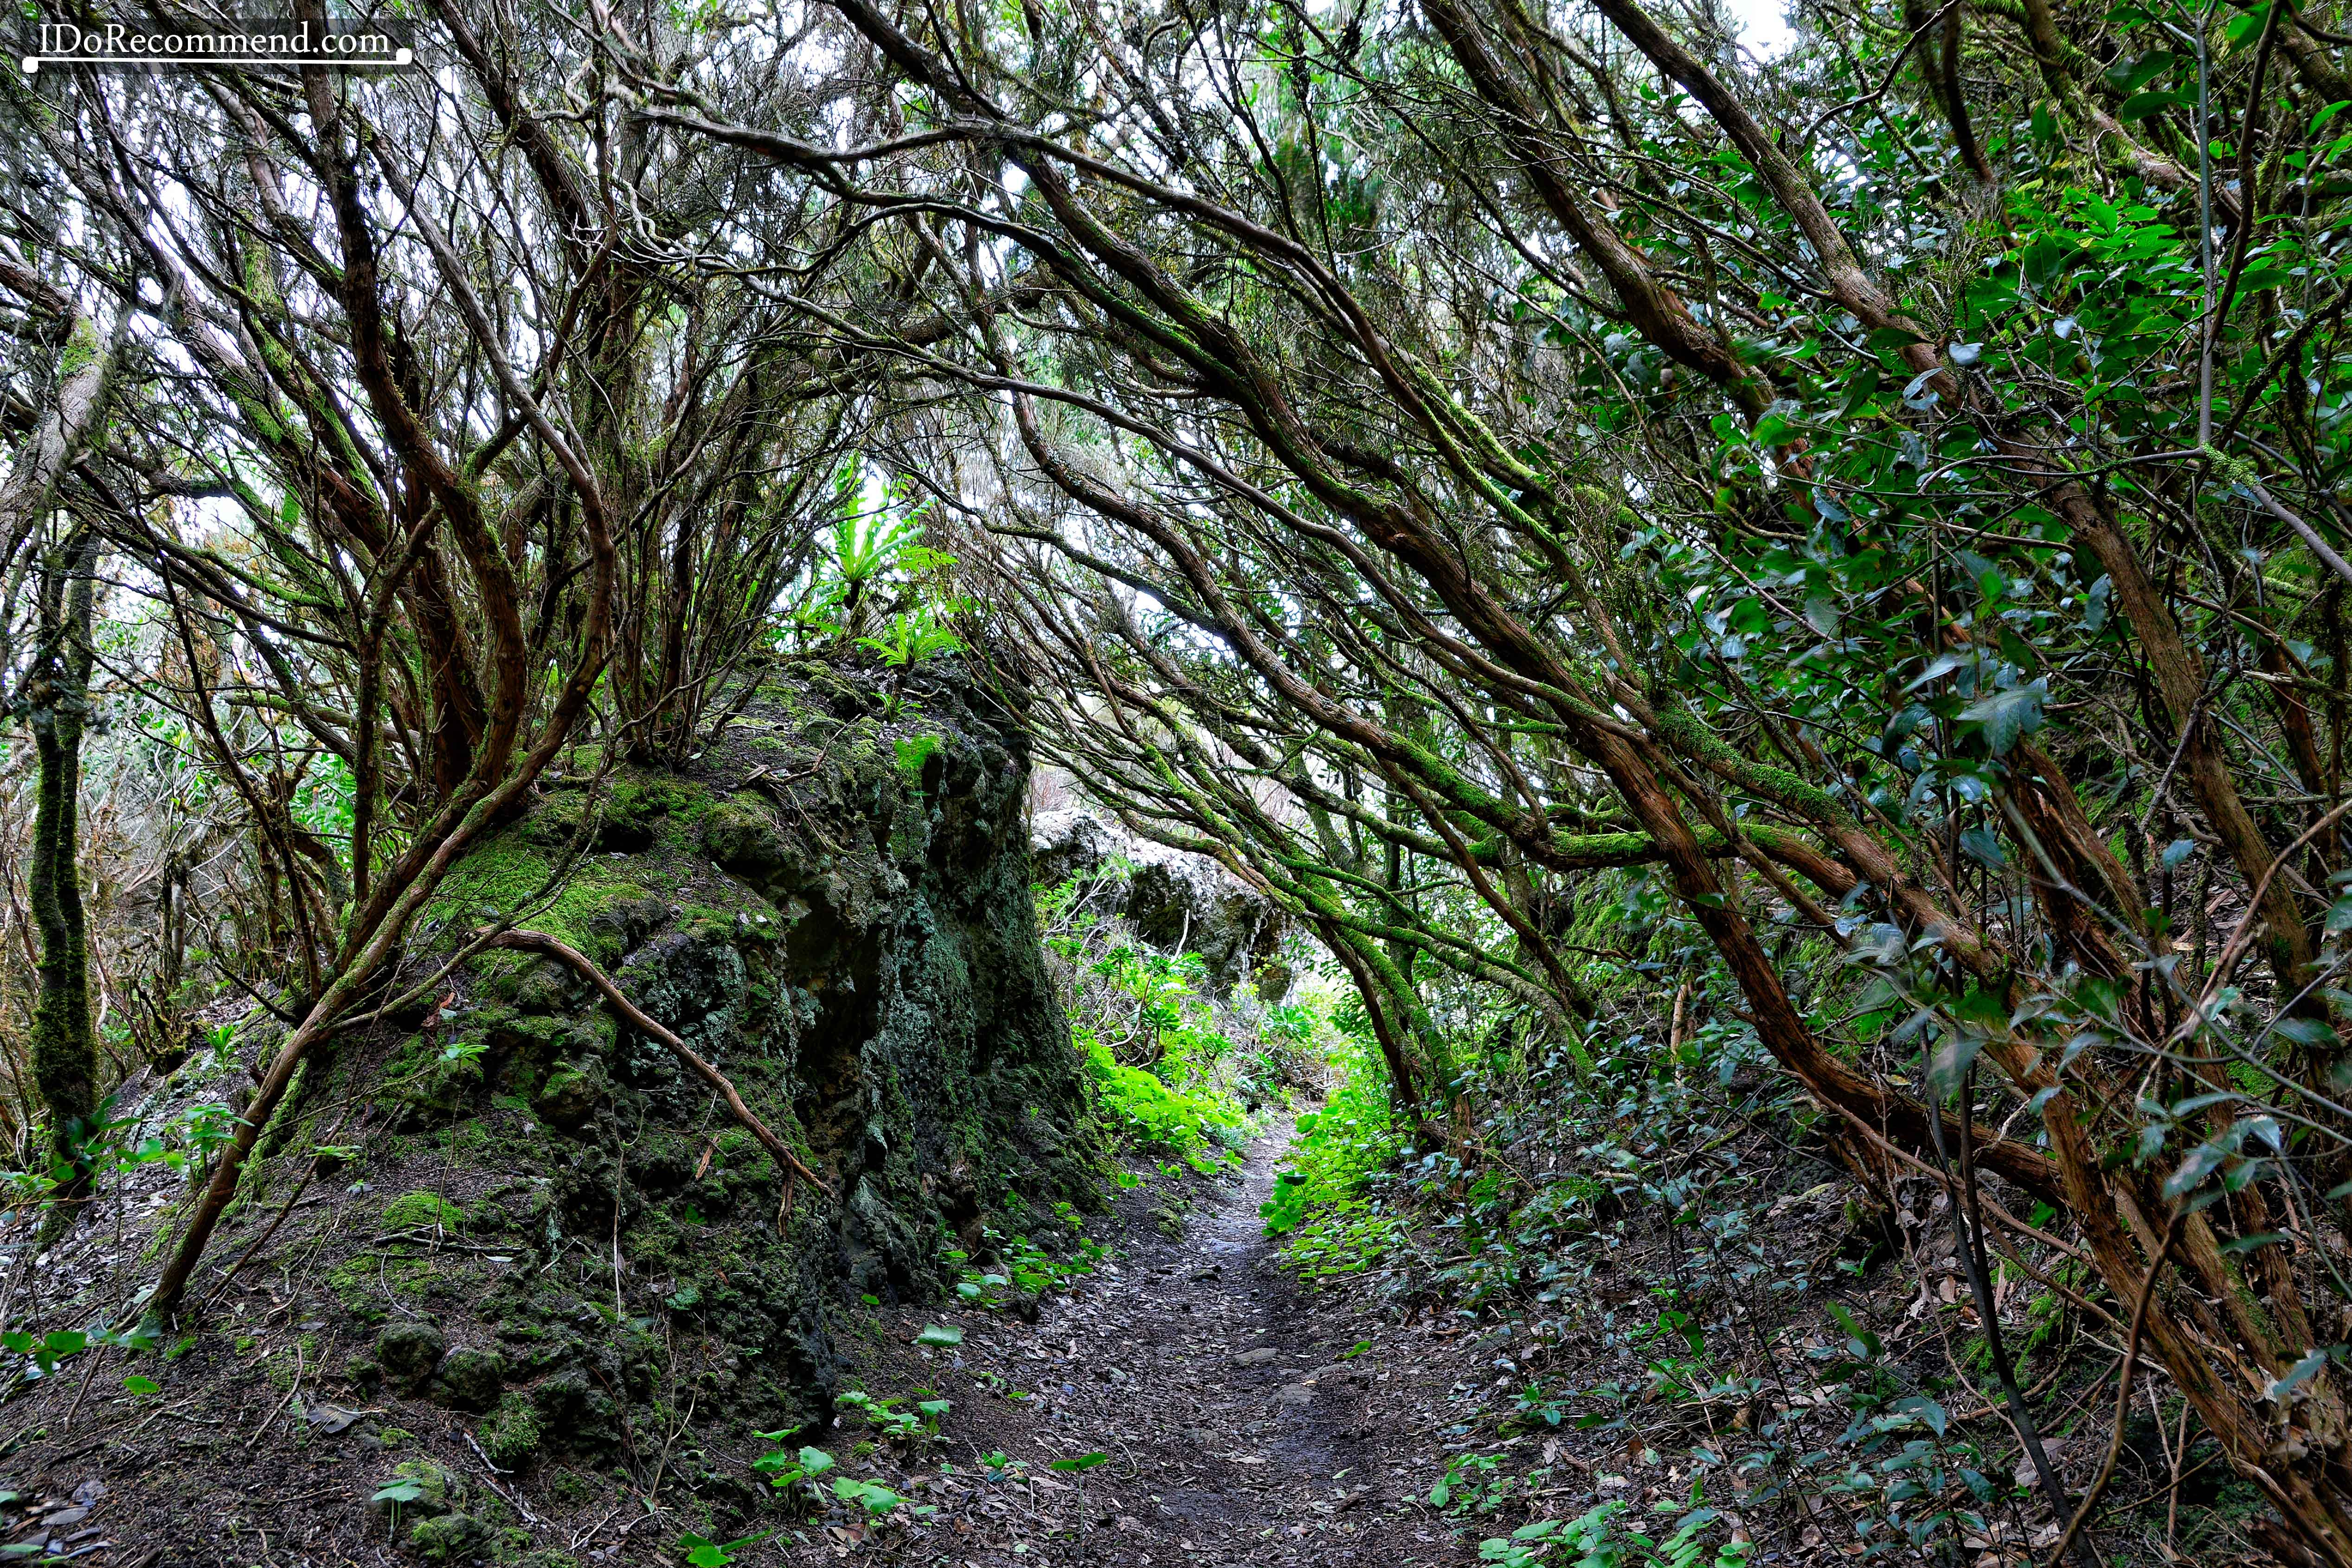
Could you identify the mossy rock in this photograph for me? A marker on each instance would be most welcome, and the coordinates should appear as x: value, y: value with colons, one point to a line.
x: 512, y: 1434
x: 424, y: 1211
x: 575, y: 1413
x: 570, y: 1094
x: 435, y: 1084
x: 451, y: 1538
x: 471, y: 1379
x: 420, y: 1489
x: 864, y: 964
x: 741, y: 834
x: 409, y: 1351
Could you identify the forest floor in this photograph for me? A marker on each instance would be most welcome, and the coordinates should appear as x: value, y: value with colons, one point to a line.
x: 1242, y: 1419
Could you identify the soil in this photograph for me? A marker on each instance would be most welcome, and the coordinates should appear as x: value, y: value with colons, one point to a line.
x: 1241, y: 1421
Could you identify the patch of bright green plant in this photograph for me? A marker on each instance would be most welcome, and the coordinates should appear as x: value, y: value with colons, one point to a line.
x: 875, y: 1499
x: 1593, y: 1539
x: 1473, y: 1483
x: 1323, y: 1198
x: 1026, y: 1267
x: 913, y: 1417
x: 787, y: 1470
x: 1146, y: 1034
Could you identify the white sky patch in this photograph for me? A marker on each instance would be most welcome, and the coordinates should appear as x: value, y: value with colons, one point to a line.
x: 1763, y: 25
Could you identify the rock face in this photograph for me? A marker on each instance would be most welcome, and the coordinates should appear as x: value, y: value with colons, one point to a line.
x: 1173, y: 899
x: 835, y: 909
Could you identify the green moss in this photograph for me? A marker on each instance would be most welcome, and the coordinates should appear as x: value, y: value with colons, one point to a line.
x: 510, y: 870
x: 437, y: 1490
x: 353, y: 1283
x: 450, y: 1538
x: 570, y: 1093
x: 81, y: 348
x: 433, y: 1082
x: 423, y: 1211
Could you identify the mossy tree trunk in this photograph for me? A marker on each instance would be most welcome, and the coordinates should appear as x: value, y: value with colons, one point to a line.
x: 57, y: 705
x: 55, y: 699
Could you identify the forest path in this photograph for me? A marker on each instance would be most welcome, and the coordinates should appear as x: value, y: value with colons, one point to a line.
x: 1236, y: 1427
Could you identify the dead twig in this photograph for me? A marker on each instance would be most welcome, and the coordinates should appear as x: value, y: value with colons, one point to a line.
x: 292, y: 1389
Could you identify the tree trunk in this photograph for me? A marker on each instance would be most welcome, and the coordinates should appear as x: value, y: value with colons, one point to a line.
x: 56, y: 702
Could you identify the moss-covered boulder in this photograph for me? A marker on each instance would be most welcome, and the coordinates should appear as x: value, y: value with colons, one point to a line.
x: 471, y: 1379
x: 408, y: 1352
x: 419, y: 1488
x: 451, y: 1538
x: 831, y: 906
x: 510, y: 1436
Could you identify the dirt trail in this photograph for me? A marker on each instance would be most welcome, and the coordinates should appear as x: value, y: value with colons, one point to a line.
x: 1237, y: 1428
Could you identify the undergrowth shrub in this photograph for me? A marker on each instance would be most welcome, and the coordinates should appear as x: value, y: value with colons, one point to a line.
x: 1165, y: 1069
x: 1329, y: 1197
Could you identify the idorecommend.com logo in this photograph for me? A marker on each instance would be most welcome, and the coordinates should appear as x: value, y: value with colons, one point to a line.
x: 275, y: 41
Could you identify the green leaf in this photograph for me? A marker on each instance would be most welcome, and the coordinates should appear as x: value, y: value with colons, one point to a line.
x: 2006, y: 717
x: 2312, y: 1032
x: 2299, y: 1372
x: 2195, y: 1167
x: 1983, y: 846
x: 875, y: 1500
x: 2252, y: 1243
x: 1926, y: 1410
x: 1953, y: 1056
x: 1082, y: 1462
x: 939, y: 1336
x: 138, y: 1385
x: 1867, y: 1343
x: 2129, y: 74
